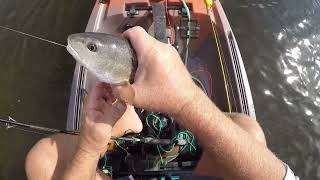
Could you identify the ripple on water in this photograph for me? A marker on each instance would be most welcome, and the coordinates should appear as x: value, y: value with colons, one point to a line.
x: 284, y: 75
x: 299, y: 64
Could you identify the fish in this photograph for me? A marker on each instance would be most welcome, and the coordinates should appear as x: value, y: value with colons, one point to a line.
x: 109, y: 57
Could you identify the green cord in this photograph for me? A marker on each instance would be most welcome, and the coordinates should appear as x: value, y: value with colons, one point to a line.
x: 189, y: 20
x: 161, y: 159
x: 105, y: 160
x: 154, y: 132
x: 190, y: 141
x: 175, y: 155
x: 160, y: 124
x: 106, y: 169
x: 172, y: 156
x: 167, y: 151
x: 188, y: 32
x: 188, y: 136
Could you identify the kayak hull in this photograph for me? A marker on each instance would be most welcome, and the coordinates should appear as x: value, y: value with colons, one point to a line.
x: 110, y: 16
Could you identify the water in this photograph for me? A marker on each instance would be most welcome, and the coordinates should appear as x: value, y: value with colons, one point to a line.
x: 278, y: 39
x: 35, y: 76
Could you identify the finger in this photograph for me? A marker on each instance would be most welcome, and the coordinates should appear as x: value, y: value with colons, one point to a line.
x: 115, y: 110
x: 141, y: 98
x: 104, y: 92
x: 100, y: 94
x: 94, y: 107
x: 124, y: 92
x: 100, y: 90
x: 140, y: 40
x: 129, y: 122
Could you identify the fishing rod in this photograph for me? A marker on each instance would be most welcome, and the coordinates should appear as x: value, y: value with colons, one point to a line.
x: 12, y: 123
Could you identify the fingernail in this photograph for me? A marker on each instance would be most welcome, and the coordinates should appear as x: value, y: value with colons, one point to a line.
x: 120, y: 106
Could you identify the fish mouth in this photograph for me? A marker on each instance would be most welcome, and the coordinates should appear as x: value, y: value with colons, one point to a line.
x: 73, y: 52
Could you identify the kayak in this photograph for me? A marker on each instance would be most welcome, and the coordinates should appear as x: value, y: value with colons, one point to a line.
x: 203, y: 37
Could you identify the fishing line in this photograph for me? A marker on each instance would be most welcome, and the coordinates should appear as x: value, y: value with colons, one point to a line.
x: 231, y: 86
x: 121, y: 147
x: 222, y: 68
x: 201, y: 84
x: 209, y: 8
x: 32, y: 36
x: 209, y: 77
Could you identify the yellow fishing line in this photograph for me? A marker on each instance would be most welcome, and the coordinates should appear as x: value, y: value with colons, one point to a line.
x: 209, y: 5
x: 222, y: 68
x: 115, y: 101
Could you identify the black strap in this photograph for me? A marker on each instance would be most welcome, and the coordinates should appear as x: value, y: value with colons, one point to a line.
x: 159, y: 19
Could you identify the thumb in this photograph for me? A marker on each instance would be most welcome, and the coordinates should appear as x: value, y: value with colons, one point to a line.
x: 124, y: 92
x: 117, y: 109
x: 140, y: 40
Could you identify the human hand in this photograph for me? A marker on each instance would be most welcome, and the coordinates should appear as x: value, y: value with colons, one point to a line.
x: 128, y: 123
x: 101, y: 112
x: 162, y: 83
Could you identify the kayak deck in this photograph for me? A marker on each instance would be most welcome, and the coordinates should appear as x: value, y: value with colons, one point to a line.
x: 213, y: 56
x: 111, y: 17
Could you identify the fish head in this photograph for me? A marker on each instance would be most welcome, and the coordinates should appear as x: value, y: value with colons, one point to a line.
x: 111, y: 58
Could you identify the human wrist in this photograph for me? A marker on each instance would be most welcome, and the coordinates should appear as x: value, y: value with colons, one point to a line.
x: 86, y: 151
x: 93, y: 146
x: 90, y: 148
x: 82, y: 165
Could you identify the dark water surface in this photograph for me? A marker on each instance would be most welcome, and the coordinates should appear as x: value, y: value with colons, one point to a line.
x: 35, y: 76
x: 279, y: 41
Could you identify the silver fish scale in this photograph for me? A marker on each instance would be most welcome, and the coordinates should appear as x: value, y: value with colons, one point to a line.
x: 113, y: 61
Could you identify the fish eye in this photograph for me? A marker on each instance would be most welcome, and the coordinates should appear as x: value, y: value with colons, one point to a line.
x: 92, y: 47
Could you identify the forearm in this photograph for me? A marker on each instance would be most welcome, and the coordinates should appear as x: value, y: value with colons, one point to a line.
x: 85, y: 160
x: 82, y: 166
x: 239, y: 154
